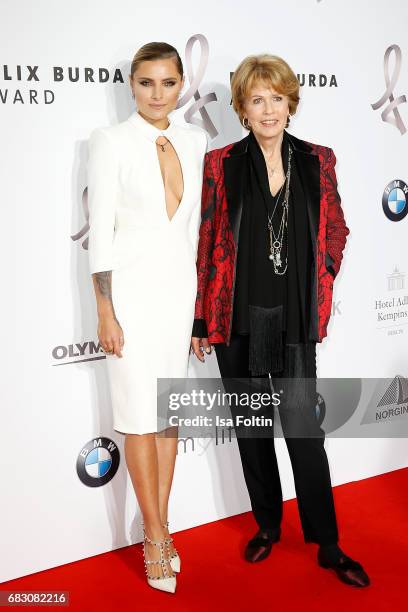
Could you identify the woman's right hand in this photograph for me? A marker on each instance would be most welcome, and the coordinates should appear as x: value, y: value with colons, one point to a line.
x: 110, y: 335
x: 198, y: 346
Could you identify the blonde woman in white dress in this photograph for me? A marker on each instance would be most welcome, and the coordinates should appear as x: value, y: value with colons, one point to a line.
x: 144, y: 189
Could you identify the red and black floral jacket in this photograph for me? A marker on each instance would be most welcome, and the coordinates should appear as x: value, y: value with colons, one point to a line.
x: 221, y: 210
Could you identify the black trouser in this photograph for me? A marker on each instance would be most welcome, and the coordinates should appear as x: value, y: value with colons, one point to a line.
x: 307, y: 454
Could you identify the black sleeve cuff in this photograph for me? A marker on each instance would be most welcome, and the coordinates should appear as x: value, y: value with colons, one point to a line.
x: 199, y: 329
x: 329, y: 264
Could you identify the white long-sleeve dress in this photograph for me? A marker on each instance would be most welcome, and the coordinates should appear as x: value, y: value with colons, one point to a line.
x: 152, y: 258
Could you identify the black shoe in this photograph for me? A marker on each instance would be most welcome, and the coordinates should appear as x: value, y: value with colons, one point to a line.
x: 259, y: 547
x: 347, y: 570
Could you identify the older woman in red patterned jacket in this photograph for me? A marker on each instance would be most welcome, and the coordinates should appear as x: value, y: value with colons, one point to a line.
x: 271, y: 243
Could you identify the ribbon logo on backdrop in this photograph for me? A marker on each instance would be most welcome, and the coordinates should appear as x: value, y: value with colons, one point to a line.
x: 84, y: 230
x: 195, y: 81
x: 389, y: 92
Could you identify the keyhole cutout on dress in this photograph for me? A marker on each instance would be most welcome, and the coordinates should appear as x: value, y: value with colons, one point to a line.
x: 172, y: 176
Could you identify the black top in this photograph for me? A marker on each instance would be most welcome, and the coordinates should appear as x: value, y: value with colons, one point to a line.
x: 256, y: 282
x: 281, y: 301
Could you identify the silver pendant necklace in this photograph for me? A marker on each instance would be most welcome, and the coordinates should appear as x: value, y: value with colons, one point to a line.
x: 276, y: 241
x: 271, y: 171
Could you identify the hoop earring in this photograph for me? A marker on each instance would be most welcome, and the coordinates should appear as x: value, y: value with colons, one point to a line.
x: 246, y: 125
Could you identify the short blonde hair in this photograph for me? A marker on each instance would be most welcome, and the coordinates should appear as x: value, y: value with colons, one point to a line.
x: 264, y: 68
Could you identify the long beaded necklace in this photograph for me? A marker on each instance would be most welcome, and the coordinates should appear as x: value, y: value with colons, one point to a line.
x: 276, y: 241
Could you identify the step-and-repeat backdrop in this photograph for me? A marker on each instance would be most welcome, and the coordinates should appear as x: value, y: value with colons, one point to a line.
x: 64, y: 70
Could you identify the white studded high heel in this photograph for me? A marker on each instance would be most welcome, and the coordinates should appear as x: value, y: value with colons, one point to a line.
x: 175, y: 560
x: 166, y: 582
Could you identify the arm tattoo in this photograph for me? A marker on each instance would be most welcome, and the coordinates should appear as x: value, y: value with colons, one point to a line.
x: 104, y: 283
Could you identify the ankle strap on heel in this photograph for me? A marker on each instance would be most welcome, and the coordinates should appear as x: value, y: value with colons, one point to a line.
x: 160, y: 543
x: 165, y: 525
x: 166, y: 540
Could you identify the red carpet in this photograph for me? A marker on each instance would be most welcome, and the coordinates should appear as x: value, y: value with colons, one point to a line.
x: 372, y: 516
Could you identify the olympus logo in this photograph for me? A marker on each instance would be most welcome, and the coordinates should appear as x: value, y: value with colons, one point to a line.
x: 78, y: 352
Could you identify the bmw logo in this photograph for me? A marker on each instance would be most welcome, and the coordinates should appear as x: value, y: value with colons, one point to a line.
x: 395, y: 200
x: 98, y: 462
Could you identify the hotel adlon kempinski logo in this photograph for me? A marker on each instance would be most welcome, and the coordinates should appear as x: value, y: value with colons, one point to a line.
x: 392, y: 310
